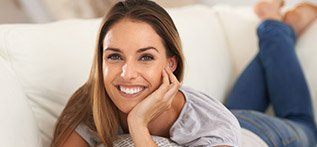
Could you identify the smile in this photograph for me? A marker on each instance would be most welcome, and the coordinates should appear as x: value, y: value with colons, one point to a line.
x: 130, y: 91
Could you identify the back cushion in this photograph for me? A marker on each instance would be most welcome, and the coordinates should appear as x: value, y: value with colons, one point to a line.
x: 208, y: 66
x: 307, y: 52
x: 18, y: 126
x: 242, y: 39
x: 52, y: 60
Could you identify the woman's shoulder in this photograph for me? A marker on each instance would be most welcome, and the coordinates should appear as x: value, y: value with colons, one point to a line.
x: 199, y: 103
x: 204, y: 121
x: 196, y: 98
x: 87, y: 134
x: 90, y: 136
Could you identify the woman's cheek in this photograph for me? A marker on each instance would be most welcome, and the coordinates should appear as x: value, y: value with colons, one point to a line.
x: 155, y: 75
x: 109, y: 73
x: 105, y: 71
x: 111, y: 70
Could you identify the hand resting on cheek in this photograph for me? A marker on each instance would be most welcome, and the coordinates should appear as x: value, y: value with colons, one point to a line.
x: 157, y: 102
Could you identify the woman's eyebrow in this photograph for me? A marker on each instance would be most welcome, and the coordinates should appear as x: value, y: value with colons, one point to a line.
x: 147, y: 48
x: 139, y: 50
x: 112, y: 49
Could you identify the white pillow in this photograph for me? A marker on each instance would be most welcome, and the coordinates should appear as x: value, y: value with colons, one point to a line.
x: 18, y: 126
x: 51, y: 61
x: 125, y: 140
x: 208, y: 66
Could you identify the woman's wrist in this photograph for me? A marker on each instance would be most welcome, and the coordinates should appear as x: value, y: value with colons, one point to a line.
x: 140, y: 133
x: 133, y: 120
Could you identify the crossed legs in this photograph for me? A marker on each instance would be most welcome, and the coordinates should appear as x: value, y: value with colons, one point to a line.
x: 275, y: 75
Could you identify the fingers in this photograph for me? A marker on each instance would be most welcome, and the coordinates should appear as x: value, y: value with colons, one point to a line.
x: 165, y: 83
x: 172, y: 77
x: 173, y: 87
x: 170, y: 84
x: 166, y: 80
x: 172, y: 91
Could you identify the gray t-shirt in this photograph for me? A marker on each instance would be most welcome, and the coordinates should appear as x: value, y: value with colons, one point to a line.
x: 203, y: 121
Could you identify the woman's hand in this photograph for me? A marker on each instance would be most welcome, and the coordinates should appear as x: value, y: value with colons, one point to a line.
x: 157, y: 102
x: 151, y: 107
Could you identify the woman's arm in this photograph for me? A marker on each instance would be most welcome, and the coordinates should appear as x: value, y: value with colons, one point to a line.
x: 140, y: 134
x: 75, y: 140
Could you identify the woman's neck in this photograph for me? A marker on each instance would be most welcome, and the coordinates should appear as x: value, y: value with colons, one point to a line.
x: 162, y: 124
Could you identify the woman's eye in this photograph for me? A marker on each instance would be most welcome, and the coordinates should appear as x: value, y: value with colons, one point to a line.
x: 114, y: 57
x: 146, y: 58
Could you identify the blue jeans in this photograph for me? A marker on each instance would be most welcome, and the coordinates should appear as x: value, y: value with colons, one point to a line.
x: 275, y: 77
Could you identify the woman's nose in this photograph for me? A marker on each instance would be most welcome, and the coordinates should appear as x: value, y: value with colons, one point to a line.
x: 129, y: 72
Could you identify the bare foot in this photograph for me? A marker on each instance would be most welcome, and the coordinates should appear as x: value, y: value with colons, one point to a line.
x: 300, y: 17
x: 269, y: 9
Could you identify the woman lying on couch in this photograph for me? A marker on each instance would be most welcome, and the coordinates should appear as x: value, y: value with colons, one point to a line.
x: 135, y: 86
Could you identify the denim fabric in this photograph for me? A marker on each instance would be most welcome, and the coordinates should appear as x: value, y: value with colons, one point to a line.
x: 275, y: 77
x: 276, y: 132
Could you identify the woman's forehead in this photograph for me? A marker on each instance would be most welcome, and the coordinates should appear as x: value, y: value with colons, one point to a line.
x: 132, y: 34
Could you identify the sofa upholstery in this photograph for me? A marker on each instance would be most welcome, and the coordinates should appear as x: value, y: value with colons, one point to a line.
x: 41, y: 65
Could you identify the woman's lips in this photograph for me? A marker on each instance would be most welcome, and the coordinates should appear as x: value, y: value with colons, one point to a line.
x: 130, y: 91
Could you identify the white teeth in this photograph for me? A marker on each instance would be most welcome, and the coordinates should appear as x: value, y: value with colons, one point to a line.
x: 130, y: 90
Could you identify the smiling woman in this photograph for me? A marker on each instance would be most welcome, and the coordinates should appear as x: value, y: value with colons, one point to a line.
x: 135, y: 87
x: 133, y: 69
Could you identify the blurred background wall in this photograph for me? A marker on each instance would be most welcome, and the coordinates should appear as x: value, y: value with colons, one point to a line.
x: 38, y: 11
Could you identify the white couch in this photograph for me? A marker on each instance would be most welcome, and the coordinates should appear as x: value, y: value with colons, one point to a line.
x: 41, y: 65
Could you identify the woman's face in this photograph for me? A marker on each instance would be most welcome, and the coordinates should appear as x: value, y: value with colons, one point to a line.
x: 133, y: 59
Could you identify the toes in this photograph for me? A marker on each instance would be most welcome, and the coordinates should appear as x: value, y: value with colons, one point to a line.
x: 268, y: 9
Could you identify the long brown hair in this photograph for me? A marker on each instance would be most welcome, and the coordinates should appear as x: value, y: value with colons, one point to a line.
x: 90, y: 104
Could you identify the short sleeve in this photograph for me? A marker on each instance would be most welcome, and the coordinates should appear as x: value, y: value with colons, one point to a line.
x: 88, y: 135
x: 204, y: 121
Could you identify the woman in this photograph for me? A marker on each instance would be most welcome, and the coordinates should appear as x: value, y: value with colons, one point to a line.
x: 134, y: 87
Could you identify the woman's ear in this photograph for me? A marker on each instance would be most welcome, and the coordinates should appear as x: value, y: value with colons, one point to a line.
x: 172, y: 63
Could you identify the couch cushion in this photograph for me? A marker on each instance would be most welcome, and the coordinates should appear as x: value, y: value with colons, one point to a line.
x: 307, y: 52
x: 52, y: 60
x: 242, y: 39
x: 18, y: 126
x: 208, y: 64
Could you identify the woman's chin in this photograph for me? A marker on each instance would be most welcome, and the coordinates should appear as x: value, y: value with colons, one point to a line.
x: 126, y: 109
